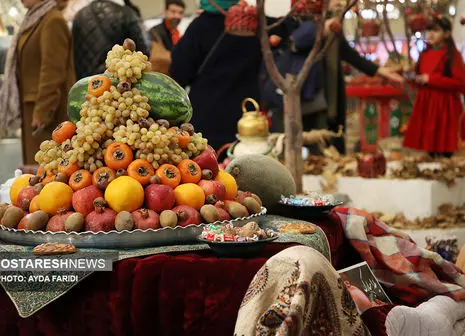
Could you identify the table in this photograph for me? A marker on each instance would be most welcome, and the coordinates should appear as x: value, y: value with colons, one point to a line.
x: 164, y: 294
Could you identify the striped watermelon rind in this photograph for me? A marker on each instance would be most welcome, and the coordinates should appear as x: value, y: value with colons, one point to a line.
x: 167, y: 99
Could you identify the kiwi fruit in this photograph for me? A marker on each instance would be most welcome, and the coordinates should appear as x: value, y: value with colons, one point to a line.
x: 124, y: 221
x: 75, y: 222
x: 155, y: 179
x: 163, y: 123
x: 61, y: 178
x: 168, y: 218
x: 129, y: 44
x: 252, y: 205
x: 38, y: 188
x: 37, y: 220
x: 3, y: 207
x: 209, y: 213
x: 188, y: 127
x: 34, y: 180
x: 236, y: 210
x: 12, y: 217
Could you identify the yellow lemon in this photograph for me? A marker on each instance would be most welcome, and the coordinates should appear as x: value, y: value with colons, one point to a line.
x: 229, y: 183
x: 54, y: 197
x: 189, y: 194
x: 124, y: 194
x: 18, y: 184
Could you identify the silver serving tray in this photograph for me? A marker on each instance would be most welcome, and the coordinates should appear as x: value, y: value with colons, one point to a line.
x: 114, y: 239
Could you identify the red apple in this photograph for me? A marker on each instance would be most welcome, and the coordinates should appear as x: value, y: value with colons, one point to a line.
x: 207, y: 160
x: 159, y: 197
x: 213, y: 188
x: 274, y: 40
x: 83, y: 199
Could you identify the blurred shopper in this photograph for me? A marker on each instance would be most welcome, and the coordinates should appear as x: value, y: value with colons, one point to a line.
x: 98, y: 27
x: 39, y: 72
x: 165, y: 35
x: 219, y: 77
x: 434, y: 124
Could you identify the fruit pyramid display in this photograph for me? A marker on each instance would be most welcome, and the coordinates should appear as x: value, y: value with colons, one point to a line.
x: 130, y: 160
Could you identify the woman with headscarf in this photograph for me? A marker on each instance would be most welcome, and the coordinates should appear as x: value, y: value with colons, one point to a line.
x: 38, y: 74
x: 228, y: 75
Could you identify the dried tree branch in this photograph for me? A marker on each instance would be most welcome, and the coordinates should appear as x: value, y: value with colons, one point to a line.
x: 383, y: 39
x: 214, y: 4
x: 389, y: 31
x: 407, y: 37
x: 268, y: 58
x: 281, y: 20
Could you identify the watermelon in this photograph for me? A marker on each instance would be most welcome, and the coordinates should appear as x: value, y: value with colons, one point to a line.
x: 167, y: 99
x: 77, y: 96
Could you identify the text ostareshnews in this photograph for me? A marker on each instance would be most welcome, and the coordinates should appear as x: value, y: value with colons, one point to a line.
x: 51, y: 263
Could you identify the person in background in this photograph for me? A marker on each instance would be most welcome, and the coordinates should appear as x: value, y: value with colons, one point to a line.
x: 98, y: 27
x: 165, y: 36
x: 434, y: 123
x: 219, y: 78
x: 167, y: 31
x: 335, y: 85
x: 39, y: 72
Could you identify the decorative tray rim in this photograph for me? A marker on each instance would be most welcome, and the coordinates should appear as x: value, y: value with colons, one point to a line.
x: 136, y: 231
x: 339, y: 203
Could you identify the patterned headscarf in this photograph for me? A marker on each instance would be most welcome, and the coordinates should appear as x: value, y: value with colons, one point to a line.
x: 10, y: 100
x: 225, y: 4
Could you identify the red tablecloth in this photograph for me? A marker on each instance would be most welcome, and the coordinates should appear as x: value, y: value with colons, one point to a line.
x: 381, y: 91
x: 164, y: 294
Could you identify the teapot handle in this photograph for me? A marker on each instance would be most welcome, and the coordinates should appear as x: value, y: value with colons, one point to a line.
x: 255, y: 104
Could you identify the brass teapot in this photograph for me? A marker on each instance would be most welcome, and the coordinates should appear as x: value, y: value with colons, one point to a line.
x: 252, y: 123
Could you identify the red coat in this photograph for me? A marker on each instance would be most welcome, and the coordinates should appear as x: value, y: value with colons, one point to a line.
x: 434, y: 123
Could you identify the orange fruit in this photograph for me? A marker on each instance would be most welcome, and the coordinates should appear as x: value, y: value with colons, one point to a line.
x: 55, y: 196
x: 229, y: 183
x: 19, y: 183
x: 124, y: 194
x: 34, y: 205
x: 189, y: 194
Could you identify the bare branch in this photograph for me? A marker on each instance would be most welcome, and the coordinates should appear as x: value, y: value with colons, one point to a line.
x: 281, y: 20
x: 316, y: 54
x: 389, y: 31
x: 407, y: 36
x: 266, y: 49
x: 214, y: 4
x: 383, y: 39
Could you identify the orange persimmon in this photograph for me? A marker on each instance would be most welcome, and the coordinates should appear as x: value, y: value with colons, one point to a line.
x: 118, y: 155
x: 169, y: 175
x: 183, y: 136
x: 190, y: 171
x: 103, y: 176
x: 63, y: 132
x: 67, y: 167
x: 49, y: 178
x: 141, y: 170
x: 80, y: 179
x: 98, y: 85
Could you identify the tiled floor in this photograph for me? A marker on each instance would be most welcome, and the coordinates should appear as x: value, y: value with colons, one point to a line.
x: 10, y: 158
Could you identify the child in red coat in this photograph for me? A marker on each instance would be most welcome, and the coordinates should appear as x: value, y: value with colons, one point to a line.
x: 434, y: 123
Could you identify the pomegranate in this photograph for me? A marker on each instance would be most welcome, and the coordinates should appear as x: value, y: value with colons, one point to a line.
x: 102, y: 218
x: 83, y: 199
x: 242, y: 195
x: 25, y: 197
x: 146, y: 219
x: 57, y: 222
x: 187, y: 215
x: 213, y: 188
x: 159, y: 197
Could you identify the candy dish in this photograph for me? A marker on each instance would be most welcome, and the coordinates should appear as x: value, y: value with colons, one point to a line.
x: 234, y: 249
x: 308, y: 206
